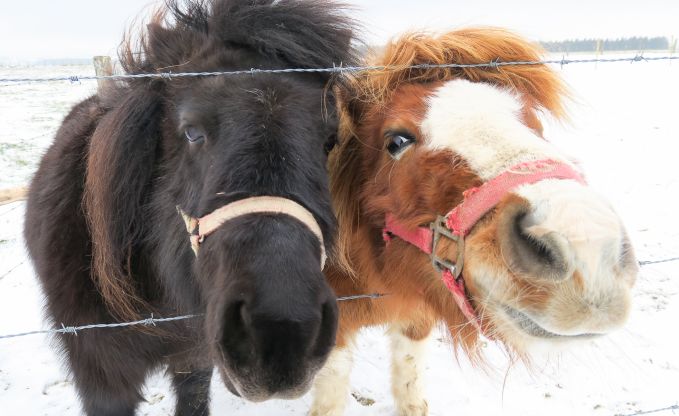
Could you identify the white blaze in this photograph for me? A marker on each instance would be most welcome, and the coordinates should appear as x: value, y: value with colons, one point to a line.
x: 482, y: 123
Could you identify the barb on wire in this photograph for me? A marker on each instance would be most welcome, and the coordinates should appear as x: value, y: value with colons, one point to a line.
x: 648, y: 412
x: 494, y: 64
x: 75, y: 329
x: 151, y: 321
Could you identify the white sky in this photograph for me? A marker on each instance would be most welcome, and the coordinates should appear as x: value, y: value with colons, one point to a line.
x: 83, y: 28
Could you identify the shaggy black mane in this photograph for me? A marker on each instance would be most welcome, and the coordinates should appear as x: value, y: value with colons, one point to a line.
x: 290, y: 33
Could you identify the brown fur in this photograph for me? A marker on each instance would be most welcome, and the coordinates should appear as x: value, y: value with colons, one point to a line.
x: 539, y: 85
x: 367, y: 183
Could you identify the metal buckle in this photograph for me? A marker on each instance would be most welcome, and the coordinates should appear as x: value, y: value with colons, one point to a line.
x: 440, y: 228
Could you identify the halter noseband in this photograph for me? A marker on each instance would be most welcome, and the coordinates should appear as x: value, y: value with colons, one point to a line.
x: 199, y: 228
x: 457, y: 224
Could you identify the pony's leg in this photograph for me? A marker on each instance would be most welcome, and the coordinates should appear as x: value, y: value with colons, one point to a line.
x: 408, y: 348
x: 193, y: 392
x: 191, y: 373
x: 108, y: 370
x: 331, y: 386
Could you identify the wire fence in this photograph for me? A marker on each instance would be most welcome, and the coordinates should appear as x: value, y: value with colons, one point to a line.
x: 495, y: 64
x: 7, y: 211
x: 649, y: 262
x: 150, y: 321
x: 153, y: 321
x: 648, y: 412
x: 12, y: 269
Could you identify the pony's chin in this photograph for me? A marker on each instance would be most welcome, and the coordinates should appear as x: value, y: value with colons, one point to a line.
x: 529, y: 326
x: 228, y: 383
x: 249, y: 394
x: 257, y: 395
x: 526, y: 335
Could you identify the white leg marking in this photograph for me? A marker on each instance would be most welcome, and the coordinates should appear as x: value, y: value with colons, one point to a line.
x: 331, y: 387
x: 407, y: 365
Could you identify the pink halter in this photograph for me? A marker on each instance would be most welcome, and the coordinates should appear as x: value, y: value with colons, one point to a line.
x: 457, y: 224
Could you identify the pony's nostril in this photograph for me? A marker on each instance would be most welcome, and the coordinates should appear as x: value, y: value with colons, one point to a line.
x: 235, y: 335
x: 328, y: 329
x: 540, y: 247
x: 627, y: 257
x: 544, y: 255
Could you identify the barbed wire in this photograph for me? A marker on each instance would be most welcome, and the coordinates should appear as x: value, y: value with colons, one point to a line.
x: 495, y: 64
x: 151, y: 321
x: 648, y: 262
x: 3, y: 203
x: 8, y: 272
x: 648, y: 412
x: 74, y: 329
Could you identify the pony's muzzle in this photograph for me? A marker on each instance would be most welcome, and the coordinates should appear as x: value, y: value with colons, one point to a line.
x: 556, y: 241
x: 275, y: 350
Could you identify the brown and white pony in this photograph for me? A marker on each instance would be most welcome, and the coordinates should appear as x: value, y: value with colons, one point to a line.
x: 460, y: 151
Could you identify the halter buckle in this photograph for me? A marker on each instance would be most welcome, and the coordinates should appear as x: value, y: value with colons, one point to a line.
x: 440, y: 229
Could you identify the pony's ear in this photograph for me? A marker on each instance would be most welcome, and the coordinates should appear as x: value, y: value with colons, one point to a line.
x: 120, y: 166
x: 350, y: 105
x: 345, y: 174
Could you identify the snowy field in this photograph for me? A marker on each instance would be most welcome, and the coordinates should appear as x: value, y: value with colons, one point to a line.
x: 625, y: 130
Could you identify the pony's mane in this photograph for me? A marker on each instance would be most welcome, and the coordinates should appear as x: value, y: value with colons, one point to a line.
x: 290, y: 33
x: 536, y: 83
x: 539, y: 87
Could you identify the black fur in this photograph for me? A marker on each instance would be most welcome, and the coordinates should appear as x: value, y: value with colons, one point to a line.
x: 108, y: 244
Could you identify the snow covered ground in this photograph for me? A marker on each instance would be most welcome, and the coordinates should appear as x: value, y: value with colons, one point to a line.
x: 625, y: 130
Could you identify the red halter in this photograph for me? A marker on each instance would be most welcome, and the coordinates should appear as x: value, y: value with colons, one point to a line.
x: 457, y: 224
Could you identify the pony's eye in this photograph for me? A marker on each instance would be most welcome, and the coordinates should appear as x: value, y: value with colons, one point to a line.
x: 330, y: 143
x: 194, y: 134
x: 398, y: 143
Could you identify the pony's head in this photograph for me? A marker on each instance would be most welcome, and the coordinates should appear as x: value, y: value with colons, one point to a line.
x: 544, y: 256
x: 193, y: 146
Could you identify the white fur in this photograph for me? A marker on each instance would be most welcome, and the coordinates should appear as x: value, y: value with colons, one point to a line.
x: 407, y: 370
x: 595, y: 236
x: 331, y: 387
x: 482, y: 124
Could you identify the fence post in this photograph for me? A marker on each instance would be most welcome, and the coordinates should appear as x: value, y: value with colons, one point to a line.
x: 103, y: 67
x: 599, y: 50
x: 7, y: 196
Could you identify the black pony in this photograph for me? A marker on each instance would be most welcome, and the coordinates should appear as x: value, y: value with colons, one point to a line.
x: 108, y: 244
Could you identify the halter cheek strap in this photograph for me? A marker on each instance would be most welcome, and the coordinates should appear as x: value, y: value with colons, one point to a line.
x: 457, y: 224
x: 200, y: 228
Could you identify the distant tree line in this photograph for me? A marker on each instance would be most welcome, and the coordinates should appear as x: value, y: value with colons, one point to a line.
x: 621, y: 44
